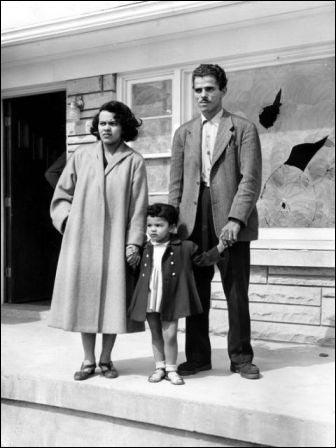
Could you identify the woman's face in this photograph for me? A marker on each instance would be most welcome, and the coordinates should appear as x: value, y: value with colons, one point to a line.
x: 109, y: 130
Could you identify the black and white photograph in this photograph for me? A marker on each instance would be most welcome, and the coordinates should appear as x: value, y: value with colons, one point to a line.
x: 168, y: 223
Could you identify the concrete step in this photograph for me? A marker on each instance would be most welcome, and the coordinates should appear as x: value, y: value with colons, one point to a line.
x: 291, y: 405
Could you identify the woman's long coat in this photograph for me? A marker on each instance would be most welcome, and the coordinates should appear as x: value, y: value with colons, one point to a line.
x: 101, y: 210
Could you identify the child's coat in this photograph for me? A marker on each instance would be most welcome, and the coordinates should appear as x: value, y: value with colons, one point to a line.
x: 179, y: 294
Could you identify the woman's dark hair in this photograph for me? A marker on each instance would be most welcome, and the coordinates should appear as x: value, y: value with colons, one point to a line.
x: 123, y: 115
x: 165, y: 211
x: 211, y: 70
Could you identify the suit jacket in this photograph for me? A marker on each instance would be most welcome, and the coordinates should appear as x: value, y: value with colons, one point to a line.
x: 179, y: 293
x: 235, y: 177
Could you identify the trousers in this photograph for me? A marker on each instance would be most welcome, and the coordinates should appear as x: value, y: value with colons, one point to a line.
x: 235, y: 276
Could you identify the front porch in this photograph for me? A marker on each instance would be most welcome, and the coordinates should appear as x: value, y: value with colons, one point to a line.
x: 291, y: 405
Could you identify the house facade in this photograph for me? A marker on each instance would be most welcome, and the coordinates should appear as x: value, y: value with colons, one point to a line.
x: 56, y: 75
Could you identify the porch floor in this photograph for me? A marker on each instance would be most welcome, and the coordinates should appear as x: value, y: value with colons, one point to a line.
x: 292, y: 404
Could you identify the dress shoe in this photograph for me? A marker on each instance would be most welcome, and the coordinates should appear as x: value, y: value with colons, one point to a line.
x: 246, y: 370
x: 190, y: 368
x: 108, y: 370
x: 85, y: 372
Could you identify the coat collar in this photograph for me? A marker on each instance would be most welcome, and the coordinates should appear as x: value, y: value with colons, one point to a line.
x: 224, y: 134
x: 174, y: 241
x: 121, y: 153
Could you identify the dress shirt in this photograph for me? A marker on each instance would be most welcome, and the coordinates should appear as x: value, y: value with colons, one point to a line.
x: 209, y: 134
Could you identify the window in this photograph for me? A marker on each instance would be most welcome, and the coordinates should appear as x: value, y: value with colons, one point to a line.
x: 299, y: 195
x: 153, y: 99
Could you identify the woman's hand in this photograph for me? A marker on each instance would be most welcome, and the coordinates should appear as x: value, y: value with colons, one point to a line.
x: 132, y: 255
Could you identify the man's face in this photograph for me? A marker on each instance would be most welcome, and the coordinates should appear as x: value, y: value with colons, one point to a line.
x: 207, y: 94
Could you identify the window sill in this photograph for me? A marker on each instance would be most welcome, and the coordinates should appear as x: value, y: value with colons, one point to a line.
x: 294, y: 247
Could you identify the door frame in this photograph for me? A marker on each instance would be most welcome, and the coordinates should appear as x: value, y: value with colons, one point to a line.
x: 8, y: 94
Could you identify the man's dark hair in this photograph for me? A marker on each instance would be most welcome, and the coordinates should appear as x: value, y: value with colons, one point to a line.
x: 123, y: 115
x: 165, y: 211
x: 211, y: 70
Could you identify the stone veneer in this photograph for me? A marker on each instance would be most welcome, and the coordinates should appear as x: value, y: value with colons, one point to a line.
x: 94, y: 91
x: 286, y: 304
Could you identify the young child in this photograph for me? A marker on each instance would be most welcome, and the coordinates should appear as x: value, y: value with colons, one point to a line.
x: 166, y: 289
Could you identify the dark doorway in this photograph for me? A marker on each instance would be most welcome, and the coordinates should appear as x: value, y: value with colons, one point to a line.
x: 35, y: 136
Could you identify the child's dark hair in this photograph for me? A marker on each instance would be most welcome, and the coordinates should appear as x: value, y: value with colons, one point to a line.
x: 165, y: 211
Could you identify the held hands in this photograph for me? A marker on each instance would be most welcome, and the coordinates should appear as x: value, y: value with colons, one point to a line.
x: 132, y: 255
x: 222, y: 245
x: 229, y: 233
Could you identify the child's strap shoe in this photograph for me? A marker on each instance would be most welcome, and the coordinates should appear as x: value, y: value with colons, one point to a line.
x: 157, y: 376
x: 175, y: 378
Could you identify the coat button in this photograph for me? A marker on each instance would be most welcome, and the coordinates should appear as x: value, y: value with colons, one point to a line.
x: 143, y: 275
x: 172, y: 262
x: 147, y: 256
x: 145, y: 264
x: 173, y: 274
x: 171, y: 253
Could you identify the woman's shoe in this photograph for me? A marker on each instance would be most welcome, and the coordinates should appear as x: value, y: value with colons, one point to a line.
x: 85, y: 372
x: 108, y: 369
x: 175, y: 378
x: 157, y: 376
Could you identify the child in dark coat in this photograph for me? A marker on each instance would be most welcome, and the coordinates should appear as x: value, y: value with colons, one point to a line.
x: 166, y: 288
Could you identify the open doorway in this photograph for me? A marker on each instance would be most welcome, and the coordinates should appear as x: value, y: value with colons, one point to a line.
x: 35, y: 136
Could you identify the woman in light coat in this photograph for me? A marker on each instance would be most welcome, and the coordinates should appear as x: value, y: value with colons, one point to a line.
x: 99, y: 205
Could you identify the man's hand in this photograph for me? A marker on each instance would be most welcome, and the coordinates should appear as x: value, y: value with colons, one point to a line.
x: 132, y: 255
x: 230, y: 232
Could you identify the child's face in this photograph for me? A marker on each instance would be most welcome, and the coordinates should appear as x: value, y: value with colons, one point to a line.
x: 158, y: 229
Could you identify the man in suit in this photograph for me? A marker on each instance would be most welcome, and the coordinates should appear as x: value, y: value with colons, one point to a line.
x: 215, y: 182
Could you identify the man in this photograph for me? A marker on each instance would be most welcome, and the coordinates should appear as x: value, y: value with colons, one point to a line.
x: 55, y: 170
x: 215, y: 183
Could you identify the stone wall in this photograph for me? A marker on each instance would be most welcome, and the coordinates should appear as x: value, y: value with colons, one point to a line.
x: 286, y: 304
x: 93, y: 92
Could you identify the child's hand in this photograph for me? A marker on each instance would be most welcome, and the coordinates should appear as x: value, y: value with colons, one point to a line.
x: 222, y: 245
x: 132, y: 255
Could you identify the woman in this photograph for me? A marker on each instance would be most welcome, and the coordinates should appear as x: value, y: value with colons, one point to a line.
x: 99, y: 205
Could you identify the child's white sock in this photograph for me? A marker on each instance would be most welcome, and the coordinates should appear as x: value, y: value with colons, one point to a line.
x: 171, y: 368
x: 160, y: 365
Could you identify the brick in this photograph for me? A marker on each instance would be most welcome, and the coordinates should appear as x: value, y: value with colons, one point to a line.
x: 271, y: 331
x: 328, y: 292
x: 84, y: 85
x: 218, y: 304
x: 278, y: 313
x: 89, y: 113
x: 328, y: 312
x: 300, y: 280
x: 295, y: 295
x: 95, y: 100
x: 109, y: 82
x: 72, y: 148
x: 77, y: 140
x: 285, y: 313
x: 217, y: 292
x: 297, y: 271
x: 81, y: 127
x: 304, y: 334
x: 258, y: 275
